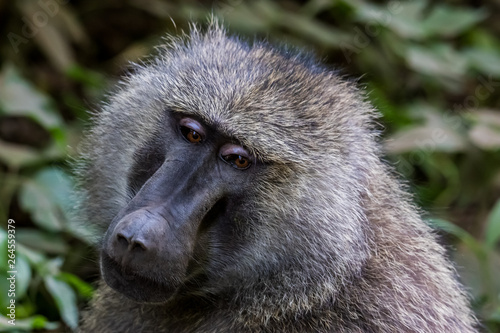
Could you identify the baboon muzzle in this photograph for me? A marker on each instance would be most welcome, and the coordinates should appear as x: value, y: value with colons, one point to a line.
x: 149, y: 245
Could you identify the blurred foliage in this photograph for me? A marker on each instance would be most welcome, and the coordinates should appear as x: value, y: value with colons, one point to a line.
x: 432, y: 69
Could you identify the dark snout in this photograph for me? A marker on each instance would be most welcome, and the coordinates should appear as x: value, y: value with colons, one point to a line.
x: 149, y: 245
x: 146, y: 235
x: 144, y: 257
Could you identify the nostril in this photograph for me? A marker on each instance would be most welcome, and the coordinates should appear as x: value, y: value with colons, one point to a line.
x: 122, y: 240
x: 130, y: 243
x: 138, y: 245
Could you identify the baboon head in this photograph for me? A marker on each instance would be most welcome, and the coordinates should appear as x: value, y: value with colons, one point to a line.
x: 220, y: 164
x: 238, y: 188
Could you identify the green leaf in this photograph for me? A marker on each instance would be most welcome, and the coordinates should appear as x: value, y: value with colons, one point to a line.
x: 59, y: 185
x: 35, y: 258
x: 19, y: 97
x: 47, y: 198
x: 27, y: 324
x: 493, y: 226
x: 485, y: 133
x: 485, y: 137
x: 402, y: 18
x: 83, y: 288
x: 42, y: 241
x: 16, y: 156
x: 4, y: 298
x: 50, y: 267
x: 436, y: 134
x: 3, y: 250
x: 486, y: 61
x: 23, y: 275
x: 450, y: 21
x: 34, y: 198
x: 65, y: 299
x: 437, y: 60
x: 426, y: 139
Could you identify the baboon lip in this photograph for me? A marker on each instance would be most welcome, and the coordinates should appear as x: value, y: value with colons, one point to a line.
x: 134, y: 286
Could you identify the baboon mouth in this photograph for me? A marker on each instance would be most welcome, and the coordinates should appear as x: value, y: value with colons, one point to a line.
x: 134, y: 286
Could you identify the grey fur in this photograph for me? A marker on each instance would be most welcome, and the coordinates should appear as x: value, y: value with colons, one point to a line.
x: 331, y: 243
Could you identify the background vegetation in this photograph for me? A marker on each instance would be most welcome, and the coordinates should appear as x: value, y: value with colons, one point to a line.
x: 432, y: 69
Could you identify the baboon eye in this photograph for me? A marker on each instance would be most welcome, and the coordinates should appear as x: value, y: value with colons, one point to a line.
x: 238, y: 161
x: 191, y: 130
x: 191, y: 135
x: 236, y: 156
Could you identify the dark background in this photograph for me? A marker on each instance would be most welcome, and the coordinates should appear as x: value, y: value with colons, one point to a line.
x: 432, y: 69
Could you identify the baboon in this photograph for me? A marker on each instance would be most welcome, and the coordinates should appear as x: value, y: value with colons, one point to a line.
x: 239, y: 188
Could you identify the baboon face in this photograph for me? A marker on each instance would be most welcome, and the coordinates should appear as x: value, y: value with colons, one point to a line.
x: 187, y: 178
x: 215, y: 164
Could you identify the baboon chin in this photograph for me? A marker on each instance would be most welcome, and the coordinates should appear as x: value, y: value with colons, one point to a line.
x: 239, y: 188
